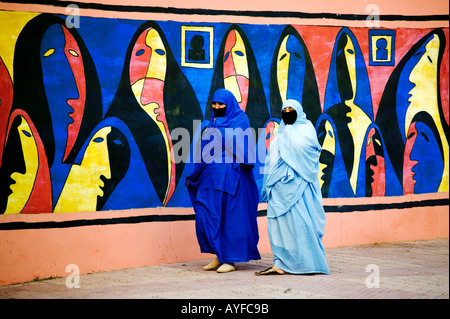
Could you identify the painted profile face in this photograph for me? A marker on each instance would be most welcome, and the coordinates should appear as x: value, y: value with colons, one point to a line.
x: 291, y: 69
x: 21, y: 166
x: 327, y: 139
x: 346, y: 68
x: 148, y: 66
x: 65, y: 85
x: 423, y: 163
x: 271, y: 131
x: 423, y: 76
x: 235, y: 68
x: 375, y: 165
x: 421, y: 79
x: 86, y: 181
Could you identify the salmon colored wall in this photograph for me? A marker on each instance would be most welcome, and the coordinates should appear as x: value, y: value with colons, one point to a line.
x: 27, y: 254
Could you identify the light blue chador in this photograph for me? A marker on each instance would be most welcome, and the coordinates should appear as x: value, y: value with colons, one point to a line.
x: 295, y: 215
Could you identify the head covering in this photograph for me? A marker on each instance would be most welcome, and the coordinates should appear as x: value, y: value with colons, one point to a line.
x: 296, y: 144
x: 237, y: 136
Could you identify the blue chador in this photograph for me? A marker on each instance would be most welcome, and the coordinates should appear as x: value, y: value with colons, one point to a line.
x: 222, y: 187
x: 295, y: 215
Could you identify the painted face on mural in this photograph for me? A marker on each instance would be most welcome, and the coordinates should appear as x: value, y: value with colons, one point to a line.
x: 424, y: 137
x: 235, y: 68
x: 148, y: 67
x: 375, y: 165
x: 423, y: 164
x: 18, y: 176
x: 271, y: 130
x: 291, y: 69
x: 327, y: 139
x: 65, y: 85
x: 86, y: 181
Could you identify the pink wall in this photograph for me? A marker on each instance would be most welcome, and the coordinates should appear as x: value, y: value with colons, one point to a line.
x: 27, y: 253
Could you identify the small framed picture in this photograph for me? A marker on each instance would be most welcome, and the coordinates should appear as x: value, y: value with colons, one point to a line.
x: 197, y: 46
x: 381, y: 47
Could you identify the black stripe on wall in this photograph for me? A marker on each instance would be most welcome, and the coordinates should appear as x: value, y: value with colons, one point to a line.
x: 249, y: 13
x: 191, y: 217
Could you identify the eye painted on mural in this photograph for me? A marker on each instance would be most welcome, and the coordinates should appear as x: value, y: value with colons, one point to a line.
x: 49, y: 52
x: 73, y: 53
x: 160, y: 52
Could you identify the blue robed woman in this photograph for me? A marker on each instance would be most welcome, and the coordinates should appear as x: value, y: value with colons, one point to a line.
x: 295, y: 215
x: 222, y: 187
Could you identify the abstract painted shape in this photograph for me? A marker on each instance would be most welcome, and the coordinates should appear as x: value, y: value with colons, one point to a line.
x: 292, y: 76
x: 153, y: 98
x: 413, y: 88
x: 348, y: 102
x: 24, y: 173
x: 236, y: 70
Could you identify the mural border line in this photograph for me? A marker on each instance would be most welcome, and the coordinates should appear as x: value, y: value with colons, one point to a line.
x: 216, y: 12
x: 191, y: 217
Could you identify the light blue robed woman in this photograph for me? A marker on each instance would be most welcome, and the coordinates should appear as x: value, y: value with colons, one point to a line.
x: 295, y: 214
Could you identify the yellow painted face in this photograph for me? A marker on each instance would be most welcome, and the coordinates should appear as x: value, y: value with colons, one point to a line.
x: 83, y: 183
x: 349, y: 52
x: 235, y: 67
x: 329, y: 144
x: 148, y: 67
x: 424, y: 76
x: 158, y: 61
x: 283, y: 68
x: 23, y: 186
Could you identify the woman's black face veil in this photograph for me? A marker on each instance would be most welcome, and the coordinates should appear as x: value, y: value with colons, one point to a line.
x: 311, y: 100
x: 256, y: 108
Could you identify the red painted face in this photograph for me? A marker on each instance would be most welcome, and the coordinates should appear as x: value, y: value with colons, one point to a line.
x: 271, y: 129
x: 148, y: 64
x: 408, y: 164
x: 378, y: 184
x: 73, y: 54
x: 235, y: 68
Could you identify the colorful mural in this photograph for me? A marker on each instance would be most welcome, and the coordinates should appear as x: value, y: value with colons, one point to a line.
x: 107, y: 115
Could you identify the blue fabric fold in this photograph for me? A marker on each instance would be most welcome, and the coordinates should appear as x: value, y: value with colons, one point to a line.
x: 222, y: 186
x: 291, y: 188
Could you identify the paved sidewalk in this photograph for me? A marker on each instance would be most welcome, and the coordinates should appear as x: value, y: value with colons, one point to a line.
x: 417, y: 269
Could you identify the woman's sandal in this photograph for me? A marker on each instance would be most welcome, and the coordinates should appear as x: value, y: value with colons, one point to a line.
x: 268, y: 271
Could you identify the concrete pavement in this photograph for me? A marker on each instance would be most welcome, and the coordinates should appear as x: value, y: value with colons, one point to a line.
x: 405, y: 270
